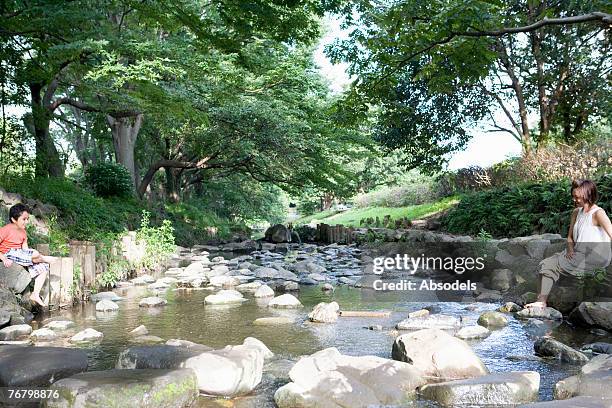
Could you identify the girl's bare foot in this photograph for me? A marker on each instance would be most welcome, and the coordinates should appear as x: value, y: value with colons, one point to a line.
x: 536, y: 304
x: 37, y: 299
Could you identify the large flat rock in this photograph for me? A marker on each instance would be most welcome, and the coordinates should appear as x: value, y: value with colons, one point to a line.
x: 577, y: 402
x: 127, y: 388
x: 330, y: 379
x: 39, y: 366
x: 488, y: 390
x: 438, y: 354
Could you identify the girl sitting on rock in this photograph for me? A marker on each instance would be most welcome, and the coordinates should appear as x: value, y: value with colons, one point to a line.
x: 588, y: 242
x: 14, y: 248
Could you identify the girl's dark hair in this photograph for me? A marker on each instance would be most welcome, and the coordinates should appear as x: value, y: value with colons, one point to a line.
x: 16, y: 211
x: 586, y: 189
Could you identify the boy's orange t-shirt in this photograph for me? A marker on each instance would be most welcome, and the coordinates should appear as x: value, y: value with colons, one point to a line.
x: 11, y: 237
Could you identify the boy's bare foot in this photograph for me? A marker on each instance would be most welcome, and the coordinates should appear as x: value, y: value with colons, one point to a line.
x: 536, y: 304
x: 38, y: 300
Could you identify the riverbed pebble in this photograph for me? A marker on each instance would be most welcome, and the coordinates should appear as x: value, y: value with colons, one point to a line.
x: 285, y: 301
x: 152, y: 302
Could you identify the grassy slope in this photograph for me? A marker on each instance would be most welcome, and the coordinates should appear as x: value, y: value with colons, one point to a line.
x: 353, y: 216
x: 84, y: 216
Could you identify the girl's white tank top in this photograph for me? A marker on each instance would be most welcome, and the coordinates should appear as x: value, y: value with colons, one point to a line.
x: 585, y: 231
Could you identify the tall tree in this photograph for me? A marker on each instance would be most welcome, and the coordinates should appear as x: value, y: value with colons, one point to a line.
x: 51, y: 59
x: 269, y: 120
x: 417, y: 60
x: 162, y: 38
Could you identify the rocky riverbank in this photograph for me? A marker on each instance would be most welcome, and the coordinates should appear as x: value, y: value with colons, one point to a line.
x: 436, y: 349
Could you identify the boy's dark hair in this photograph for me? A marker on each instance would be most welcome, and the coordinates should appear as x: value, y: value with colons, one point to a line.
x: 16, y: 211
x: 586, y: 189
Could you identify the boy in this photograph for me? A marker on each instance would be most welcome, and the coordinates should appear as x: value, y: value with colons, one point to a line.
x: 14, y: 249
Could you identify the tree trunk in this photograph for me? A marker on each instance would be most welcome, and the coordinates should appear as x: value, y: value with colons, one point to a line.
x: 172, y: 182
x: 125, y: 132
x: 48, y: 161
x: 326, y: 201
x: 520, y: 99
x: 536, y: 46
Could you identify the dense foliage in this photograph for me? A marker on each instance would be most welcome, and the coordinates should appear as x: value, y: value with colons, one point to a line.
x: 109, y: 180
x: 83, y: 216
x: 522, y: 209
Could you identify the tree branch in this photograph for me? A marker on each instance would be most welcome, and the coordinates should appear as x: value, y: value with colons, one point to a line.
x: 584, y: 18
x: 72, y: 102
x: 605, y: 18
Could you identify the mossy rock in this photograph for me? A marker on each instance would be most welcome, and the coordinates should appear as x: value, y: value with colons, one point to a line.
x: 147, y: 388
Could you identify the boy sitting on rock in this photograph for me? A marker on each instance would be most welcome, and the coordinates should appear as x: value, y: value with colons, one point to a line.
x: 14, y: 249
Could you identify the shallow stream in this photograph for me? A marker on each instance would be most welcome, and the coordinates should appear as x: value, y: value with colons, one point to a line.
x: 187, y: 317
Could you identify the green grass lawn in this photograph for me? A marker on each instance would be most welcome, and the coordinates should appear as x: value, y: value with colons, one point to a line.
x: 314, y: 217
x: 352, y: 217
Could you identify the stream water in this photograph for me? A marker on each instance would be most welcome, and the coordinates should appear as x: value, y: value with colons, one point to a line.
x: 187, y: 317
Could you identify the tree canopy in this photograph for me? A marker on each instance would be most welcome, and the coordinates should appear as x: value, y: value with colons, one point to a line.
x: 434, y: 69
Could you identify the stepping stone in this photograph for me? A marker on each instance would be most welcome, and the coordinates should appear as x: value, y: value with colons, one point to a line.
x: 105, y: 296
x: 498, y: 389
x: 269, y: 321
x: 442, y: 322
x: 106, y: 305
x: 548, y: 347
x: 225, y: 297
x: 285, y: 301
x: 15, y: 332
x: 473, y: 332
x: 147, y: 339
x: 264, y: 291
x: 59, y: 325
x: 127, y: 388
x: 492, y: 319
x: 139, y: 331
x: 324, y: 313
x: 158, y: 356
x: 540, y: 313
x: 43, y: 334
x: 152, y: 302
x: 86, y: 336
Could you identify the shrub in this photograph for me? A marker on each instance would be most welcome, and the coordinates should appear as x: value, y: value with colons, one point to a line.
x: 159, y: 240
x: 586, y: 159
x: 589, y: 158
x: 521, y: 210
x: 109, y: 180
x: 82, y: 215
x: 194, y: 224
x: 306, y: 233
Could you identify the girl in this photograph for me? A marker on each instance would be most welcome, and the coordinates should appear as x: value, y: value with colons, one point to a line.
x: 588, y: 242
